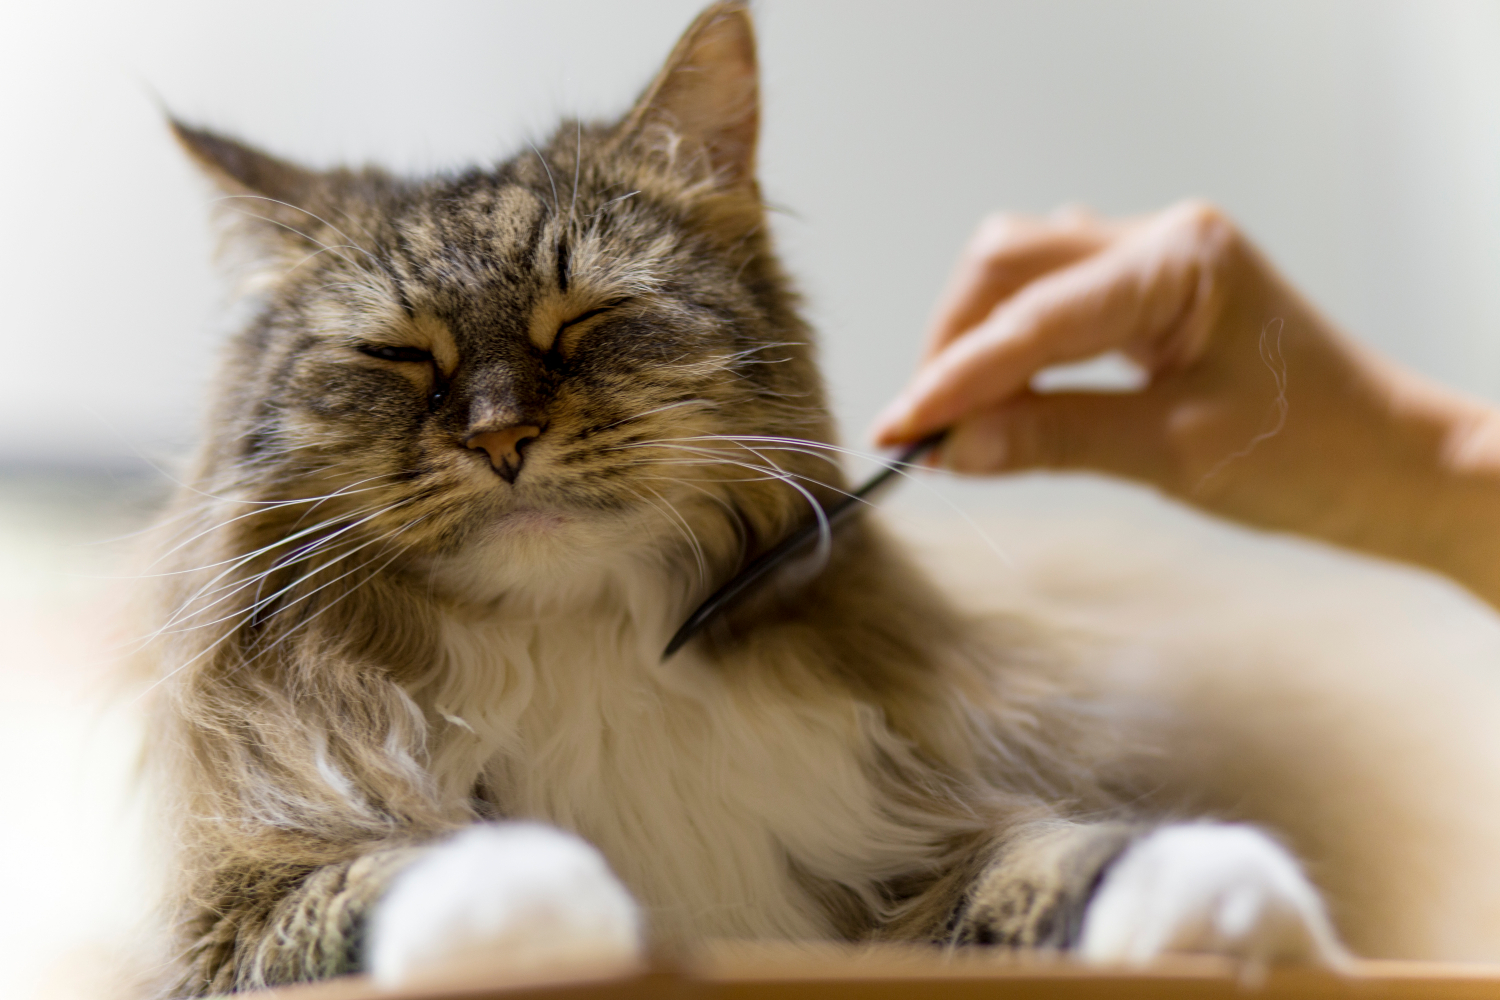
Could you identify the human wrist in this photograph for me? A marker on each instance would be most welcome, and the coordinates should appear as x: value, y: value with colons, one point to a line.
x: 1381, y: 459
x: 1421, y: 482
x: 1458, y: 528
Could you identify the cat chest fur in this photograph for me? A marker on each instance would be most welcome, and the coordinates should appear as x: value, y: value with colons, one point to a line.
x: 717, y: 799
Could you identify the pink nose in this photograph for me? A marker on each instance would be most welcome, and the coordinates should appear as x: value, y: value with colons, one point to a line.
x: 505, y: 447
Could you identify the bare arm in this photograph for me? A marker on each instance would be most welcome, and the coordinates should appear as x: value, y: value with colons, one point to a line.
x: 1258, y: 407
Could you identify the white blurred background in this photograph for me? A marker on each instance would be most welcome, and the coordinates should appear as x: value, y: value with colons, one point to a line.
x: 1358, y: 141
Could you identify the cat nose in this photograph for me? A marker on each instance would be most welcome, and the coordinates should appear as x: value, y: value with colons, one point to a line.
x: 505, y: 447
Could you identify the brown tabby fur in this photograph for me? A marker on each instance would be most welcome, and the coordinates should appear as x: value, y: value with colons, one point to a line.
x: 616, y: 287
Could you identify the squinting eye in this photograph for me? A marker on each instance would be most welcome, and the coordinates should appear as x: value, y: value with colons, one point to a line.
x: 412, y: 354
x: 584, y: 317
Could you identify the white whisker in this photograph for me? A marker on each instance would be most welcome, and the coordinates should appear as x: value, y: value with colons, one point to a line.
x: 556, y: 205
x: 687, y: 530
x: 348, y: 240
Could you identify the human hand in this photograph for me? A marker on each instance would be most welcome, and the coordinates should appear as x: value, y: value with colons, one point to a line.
x: 1256, y: 407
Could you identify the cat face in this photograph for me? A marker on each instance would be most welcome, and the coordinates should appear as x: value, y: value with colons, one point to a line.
x: 589, y: 345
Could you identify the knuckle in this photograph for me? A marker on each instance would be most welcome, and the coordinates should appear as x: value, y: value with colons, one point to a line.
x: 995, y: 233
x: 1203, y: 222
x: 1198, y: 212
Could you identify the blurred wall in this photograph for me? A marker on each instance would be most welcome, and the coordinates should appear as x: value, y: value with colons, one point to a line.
x: 1358, y: 141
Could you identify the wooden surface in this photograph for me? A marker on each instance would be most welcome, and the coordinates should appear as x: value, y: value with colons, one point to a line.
x: 823, y: 972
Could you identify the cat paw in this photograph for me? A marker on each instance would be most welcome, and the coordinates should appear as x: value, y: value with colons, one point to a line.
x: 517, y: 898
x: 1208, y: 888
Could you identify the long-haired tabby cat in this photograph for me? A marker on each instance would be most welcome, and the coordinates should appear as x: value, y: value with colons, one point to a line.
x: 482, y: 443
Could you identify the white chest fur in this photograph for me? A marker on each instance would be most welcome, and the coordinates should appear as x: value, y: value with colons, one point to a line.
x: 707, y: 793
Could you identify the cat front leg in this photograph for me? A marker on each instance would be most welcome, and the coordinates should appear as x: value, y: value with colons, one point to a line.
x: 1124, y: 893
x: 516, y: 897
x: 274, y: 924
x: 1224, y: 889
x: 1034, y: 889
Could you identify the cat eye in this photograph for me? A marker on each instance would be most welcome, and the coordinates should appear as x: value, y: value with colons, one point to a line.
x: 584, y: 317
x: 414, y: 355
x: 555, y: 354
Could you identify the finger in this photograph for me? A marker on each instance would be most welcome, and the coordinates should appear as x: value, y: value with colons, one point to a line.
x: 1134, y: 295
x: 980, y: 283
x: 1005, y: 255
x: 1123, y: 434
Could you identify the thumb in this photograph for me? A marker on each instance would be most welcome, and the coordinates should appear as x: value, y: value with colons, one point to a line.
x: 1118, y: 433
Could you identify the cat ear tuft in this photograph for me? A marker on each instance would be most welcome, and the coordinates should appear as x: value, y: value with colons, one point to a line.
x: 708, y: 94
x: 241, y: 170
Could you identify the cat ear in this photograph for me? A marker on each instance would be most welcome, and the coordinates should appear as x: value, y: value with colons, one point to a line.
x: 238, y: 169
x: 268, y: 203
x: 707, y: 96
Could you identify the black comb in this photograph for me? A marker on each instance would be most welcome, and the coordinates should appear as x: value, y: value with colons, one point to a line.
x: 730, y: 594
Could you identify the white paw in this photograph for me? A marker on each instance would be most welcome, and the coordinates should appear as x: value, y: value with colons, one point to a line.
x: 518, y: 897
x: 1207, y: 887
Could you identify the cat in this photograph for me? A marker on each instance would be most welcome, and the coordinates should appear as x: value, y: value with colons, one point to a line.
x: 483, y: 441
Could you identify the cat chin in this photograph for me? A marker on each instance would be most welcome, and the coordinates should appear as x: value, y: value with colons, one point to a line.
x: 555, y: 560
x: 531, y: 522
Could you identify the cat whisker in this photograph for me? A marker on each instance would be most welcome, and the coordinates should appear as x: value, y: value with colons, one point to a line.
x: 213, y: 496
x: 297, y: 232
x: 205, y: 590
x: 267, y: 508
x: 311, y: 552
x: 716, y: 479
x: 615, y: 201
x: 556, y: 205
x: 187, y: 518
x: 902, y: 469
x: 322, y: 249
x: 772, y: 471
x: 304, y: 552
x: 389, y: 537
x: 233, y: 563
x: 188, y: 612
x: 259, y: 603
x: 348, y: 240
x: 363, y: 229
x: 659, y: 409
x: 777, y: 473
x: 687, y: 531
x: 577, y: 165
x: 240, y: 559
x: 693, y: 484
x: 729, y: 362
x: 247, y: 617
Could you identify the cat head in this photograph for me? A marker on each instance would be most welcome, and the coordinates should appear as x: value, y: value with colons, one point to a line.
x: 587, y: 349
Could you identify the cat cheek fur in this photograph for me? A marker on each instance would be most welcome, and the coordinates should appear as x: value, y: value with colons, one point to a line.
x: 369, y: 641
